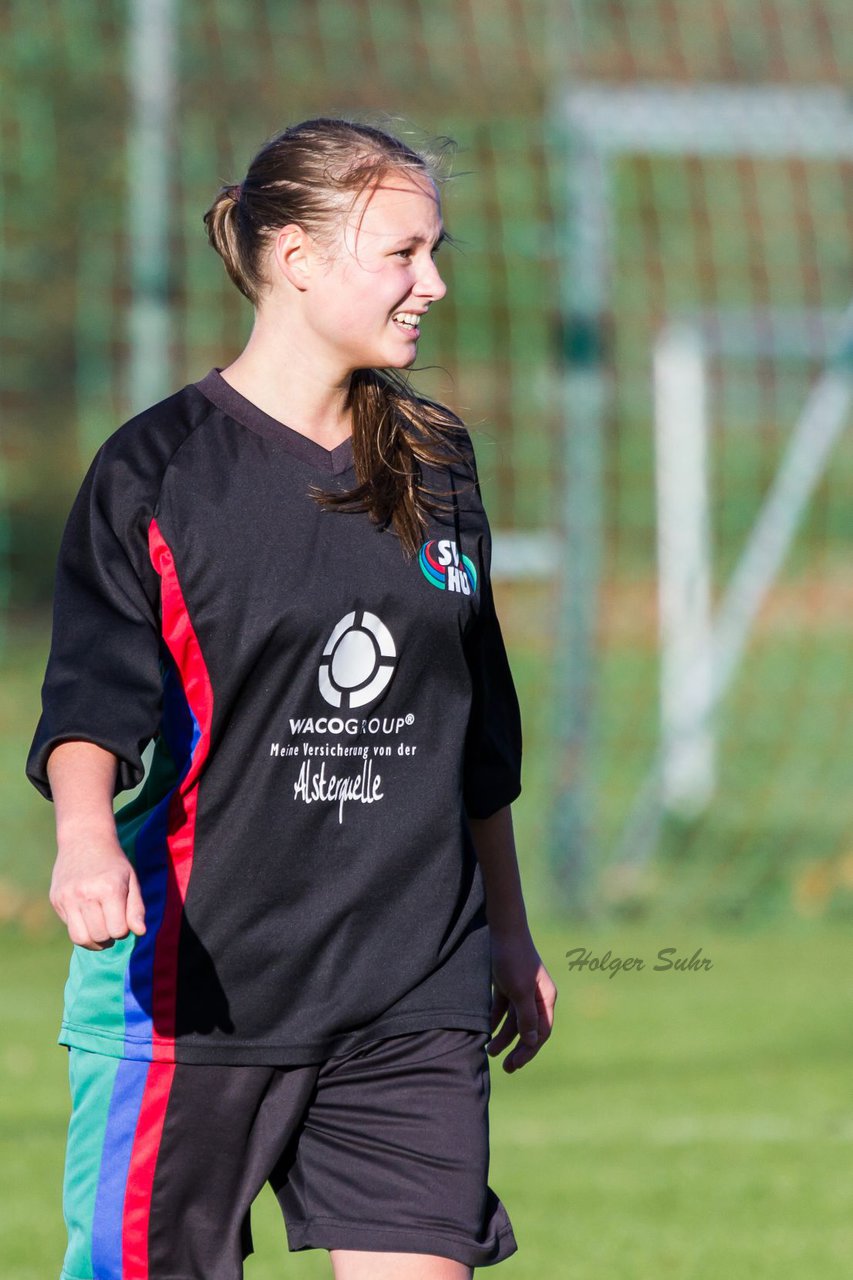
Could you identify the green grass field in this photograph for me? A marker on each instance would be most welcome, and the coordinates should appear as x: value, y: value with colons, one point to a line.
x: 678, y: 1124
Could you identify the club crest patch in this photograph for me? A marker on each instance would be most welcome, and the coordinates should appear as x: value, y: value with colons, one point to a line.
x: 443, y: 566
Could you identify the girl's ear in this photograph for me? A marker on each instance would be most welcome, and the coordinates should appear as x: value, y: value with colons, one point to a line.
x: 291, y: 255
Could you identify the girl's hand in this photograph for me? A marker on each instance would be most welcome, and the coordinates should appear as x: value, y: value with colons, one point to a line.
x: 523, y: 991
x: 95, y: 892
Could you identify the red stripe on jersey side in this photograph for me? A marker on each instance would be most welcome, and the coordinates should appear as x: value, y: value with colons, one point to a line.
x: 181, y: 639
x: 140, y: 1175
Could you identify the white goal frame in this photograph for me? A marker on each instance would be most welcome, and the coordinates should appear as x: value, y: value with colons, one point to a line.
x: 595, y: 125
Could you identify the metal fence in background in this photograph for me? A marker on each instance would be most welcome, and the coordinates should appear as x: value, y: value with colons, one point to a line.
x: 644, y: 327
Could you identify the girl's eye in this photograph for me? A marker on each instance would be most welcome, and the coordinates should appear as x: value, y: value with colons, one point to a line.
x: 403, y: 253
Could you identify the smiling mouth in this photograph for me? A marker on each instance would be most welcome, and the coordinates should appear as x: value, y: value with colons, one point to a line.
x: 408, y: 322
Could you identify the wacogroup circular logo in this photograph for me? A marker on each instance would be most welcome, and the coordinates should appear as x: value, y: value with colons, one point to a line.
x: 443, y: 566
x: 358, y: 660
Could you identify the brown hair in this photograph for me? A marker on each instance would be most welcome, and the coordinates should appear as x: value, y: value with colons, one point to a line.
x: 312, y: 174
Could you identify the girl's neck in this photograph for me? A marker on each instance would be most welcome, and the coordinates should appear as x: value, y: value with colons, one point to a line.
x: 277, y: 373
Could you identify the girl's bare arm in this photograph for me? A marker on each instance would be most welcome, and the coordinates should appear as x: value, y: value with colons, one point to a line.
x: 524, y: 994
x: 94, y: 889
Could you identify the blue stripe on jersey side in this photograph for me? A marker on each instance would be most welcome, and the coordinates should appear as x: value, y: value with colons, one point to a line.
x: 181, y: 732
x: 107, y: 1225
x: 150, y: 856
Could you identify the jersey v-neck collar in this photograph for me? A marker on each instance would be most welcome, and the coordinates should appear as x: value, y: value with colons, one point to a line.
x: 334, y: 461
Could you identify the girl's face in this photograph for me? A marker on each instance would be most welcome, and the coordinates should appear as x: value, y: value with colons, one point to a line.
x: 368, y: 299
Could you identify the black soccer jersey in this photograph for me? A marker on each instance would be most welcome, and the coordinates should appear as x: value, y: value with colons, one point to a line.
x: 325, y: 716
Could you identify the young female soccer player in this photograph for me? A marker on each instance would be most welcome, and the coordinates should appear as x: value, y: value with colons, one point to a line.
x: 292, y: 945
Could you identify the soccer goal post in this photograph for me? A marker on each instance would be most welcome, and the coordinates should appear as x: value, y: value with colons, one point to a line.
x: 597, y: 126
x: 151, y: 57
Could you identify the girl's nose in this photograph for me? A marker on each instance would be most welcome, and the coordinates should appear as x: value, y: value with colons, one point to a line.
x: 431, y: 283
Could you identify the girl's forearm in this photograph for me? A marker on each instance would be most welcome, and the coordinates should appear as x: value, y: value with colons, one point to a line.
x: 494, y: 842
x: 94, y: 889
x: 82, y: 781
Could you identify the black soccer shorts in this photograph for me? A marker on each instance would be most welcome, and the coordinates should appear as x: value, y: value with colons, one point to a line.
x: 383, y: 1148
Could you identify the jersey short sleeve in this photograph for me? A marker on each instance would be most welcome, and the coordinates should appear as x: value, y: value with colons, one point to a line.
x: 493, y: 743
x: 492, y: 766
x: 103, y: 681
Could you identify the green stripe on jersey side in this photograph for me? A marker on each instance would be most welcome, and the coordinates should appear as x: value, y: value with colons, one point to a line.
x: 92, y: 1077
x: 94, y: 997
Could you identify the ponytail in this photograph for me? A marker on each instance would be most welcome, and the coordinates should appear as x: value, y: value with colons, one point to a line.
x: 223, y: 232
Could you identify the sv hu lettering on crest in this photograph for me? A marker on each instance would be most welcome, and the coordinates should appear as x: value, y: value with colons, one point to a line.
x: 446, y: 568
